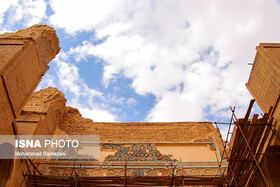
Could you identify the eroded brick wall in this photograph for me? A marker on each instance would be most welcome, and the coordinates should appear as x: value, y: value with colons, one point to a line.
x: 41, y: 115
x: 264, y: 85
x: 264, y: 81
x: 24, y: 58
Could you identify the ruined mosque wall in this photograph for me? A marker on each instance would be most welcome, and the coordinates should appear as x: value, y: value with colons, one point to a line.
x: 185, y: 140
x: 264, y: 82
x: 24, y: 58
x: 40, y: 116
x: 264, y: 85
x: 74, y: 123
x: 46, y: 113
x: 42, y: 113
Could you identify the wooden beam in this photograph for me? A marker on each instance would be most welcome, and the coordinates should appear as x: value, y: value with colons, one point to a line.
x: 249, y: 110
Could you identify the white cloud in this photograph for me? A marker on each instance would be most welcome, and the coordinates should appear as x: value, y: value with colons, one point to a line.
x: 131, y: 101
x: 82, y: 15
x: 5, y: 5
x: 191, y: 55
x: 80, y: 95
x: 68, y: 77
x: 97, y: 115
x: 174, y: 106
x: 82, y: 51
x: 21, y: 12
x: 115, y: 100
x: 30, y: 12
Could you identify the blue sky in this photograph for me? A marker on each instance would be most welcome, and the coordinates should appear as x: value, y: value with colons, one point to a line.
x: 151, y: 60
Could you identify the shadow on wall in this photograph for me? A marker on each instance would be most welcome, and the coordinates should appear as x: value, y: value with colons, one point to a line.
x: 6, y: 165
x: 270, y: 167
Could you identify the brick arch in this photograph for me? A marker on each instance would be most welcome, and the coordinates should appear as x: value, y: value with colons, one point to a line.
x: 166, y: 172
x: 152, y: 172
x: 209, y: 171
x: 138, y: 172
x: 121, y: 173
x: 195, y: 172
x: 95, y: 172
x: 80, y: 172
x: 111, y: 172
x: 66, y: 172
x: 53, y: 172
x: 180, y: 172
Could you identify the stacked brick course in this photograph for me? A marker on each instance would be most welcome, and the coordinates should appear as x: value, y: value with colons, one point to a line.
x: 264, y: 85
x: 264, y: 81
x: 24, y: 58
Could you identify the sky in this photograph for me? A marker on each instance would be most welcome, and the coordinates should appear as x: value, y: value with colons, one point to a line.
x: 151, y: 60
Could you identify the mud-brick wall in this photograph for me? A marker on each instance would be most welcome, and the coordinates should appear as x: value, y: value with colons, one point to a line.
x: 41, y: 115
x: 264, y: 80
x: 24, y: 58
x: 6, y: 111
x: 264, y: 85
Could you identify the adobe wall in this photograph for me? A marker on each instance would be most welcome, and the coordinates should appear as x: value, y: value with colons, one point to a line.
x: 264, y: 85
x: 264, y: 82
x: 24, y: 58
x: 74, y: 123
x: 270, y: 167
x: 185, y: 141
x: 40, y: 116
x: 46, y: 113
x: 42, y: 113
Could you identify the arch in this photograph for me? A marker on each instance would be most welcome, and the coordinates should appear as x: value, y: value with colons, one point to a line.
x: 152, y: 172
x: 166, y: 172
x: 95, y: 172
x: 121, y: 173
x: 138, y: 172
x: 209, y: 171
x: 53, y: 172
x: 66, y: 172
x: 180, y: 172
x: 111, y: 172
x: 82, y: 172
x: 195, y: 172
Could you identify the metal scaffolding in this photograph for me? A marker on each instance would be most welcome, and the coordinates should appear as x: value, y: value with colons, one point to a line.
x: 75, y: 179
